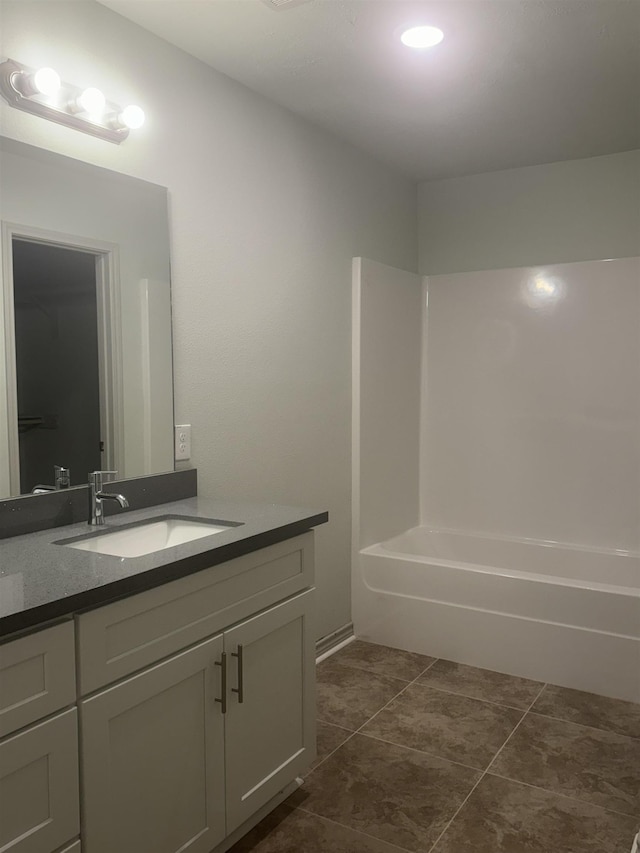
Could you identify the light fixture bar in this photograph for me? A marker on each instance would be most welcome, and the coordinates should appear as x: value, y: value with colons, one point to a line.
x: 61, y: 107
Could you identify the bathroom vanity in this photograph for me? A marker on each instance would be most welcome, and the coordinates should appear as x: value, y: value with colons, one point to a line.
x: 157, y: 703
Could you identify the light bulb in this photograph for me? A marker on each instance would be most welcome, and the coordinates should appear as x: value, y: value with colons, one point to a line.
x: 422, y: 37
x: 92, y: 101
x: 132, y: 117
x: 47, y: 81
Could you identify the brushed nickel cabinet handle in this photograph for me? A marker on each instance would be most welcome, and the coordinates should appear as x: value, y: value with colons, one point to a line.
x: 240, y: 688
x: 223, y: 681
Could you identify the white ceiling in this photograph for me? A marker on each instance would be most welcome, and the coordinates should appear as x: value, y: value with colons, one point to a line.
x: 514, y: 83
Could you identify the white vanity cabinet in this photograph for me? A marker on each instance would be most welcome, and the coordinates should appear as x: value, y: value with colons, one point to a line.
x: 178, y: 756
x: 192, y: 712
x: 39, y: 802
x: 213, y: 713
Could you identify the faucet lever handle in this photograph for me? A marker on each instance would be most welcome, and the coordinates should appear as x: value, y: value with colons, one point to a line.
x: 95, y: 477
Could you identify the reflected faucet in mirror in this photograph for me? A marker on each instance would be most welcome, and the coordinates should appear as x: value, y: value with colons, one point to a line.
x: 97, y: 496
x: 61, y: 479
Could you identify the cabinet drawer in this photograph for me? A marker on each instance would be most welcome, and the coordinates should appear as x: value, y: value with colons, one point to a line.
x: 120, y: 638
x: 39, y: 799
x: 37, y: 676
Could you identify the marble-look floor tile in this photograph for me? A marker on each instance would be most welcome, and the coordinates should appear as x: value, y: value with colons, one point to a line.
x: 348, y: 697
x: 394, y: 794
x: 294, y: 831
x: 454, y: 727
x: 328, y: 738
x: 602, y: 768
x: 588, y: 709
x: 383, y: 660
x: 482, y: 684
x: 502, y: 816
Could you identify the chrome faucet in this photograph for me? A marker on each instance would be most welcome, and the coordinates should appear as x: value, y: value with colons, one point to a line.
x: 62, y: 480
x: 62, y: 477
x: 96, y: 496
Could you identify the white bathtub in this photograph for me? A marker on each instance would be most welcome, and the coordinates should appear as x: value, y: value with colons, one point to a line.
x: 558, y: 614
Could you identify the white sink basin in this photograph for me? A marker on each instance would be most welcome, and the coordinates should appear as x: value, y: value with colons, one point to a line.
x: 148, y: 537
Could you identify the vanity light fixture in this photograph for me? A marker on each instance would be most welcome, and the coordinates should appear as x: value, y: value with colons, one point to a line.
x: 41, y: 92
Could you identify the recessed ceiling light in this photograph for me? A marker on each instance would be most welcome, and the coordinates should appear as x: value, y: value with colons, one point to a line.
x: 422, y: 37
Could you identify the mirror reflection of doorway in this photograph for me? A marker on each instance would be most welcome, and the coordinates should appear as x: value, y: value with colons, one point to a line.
x: 57, y: 362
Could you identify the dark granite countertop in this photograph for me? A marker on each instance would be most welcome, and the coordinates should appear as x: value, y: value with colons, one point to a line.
x: 41, y: 580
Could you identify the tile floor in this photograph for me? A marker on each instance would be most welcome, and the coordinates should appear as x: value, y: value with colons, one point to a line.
x: 425, y: 755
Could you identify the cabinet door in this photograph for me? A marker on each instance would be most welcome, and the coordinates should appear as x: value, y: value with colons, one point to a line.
x: 153, y: 759
x: 270, y: 735
x: 39, y: 786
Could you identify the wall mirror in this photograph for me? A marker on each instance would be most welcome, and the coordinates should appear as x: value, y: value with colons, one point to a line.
x: 86, y: 376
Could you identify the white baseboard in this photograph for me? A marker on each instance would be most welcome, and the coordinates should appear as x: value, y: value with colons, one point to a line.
x: 333, y: 641
x: 334, y: 649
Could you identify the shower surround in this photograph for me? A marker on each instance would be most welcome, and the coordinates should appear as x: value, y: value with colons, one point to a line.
x: 496, y: 480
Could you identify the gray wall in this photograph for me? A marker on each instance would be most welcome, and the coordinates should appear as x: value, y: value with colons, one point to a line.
x: 578, y: 210
x: 266, y: 214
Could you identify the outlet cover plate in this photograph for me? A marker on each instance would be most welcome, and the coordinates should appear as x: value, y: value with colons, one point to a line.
x: 182, y: 436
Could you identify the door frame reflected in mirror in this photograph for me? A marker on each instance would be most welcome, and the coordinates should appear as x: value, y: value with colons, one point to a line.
x: 109, y: 348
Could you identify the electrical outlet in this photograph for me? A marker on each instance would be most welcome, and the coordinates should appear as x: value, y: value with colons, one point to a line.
x: 182, y: 442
